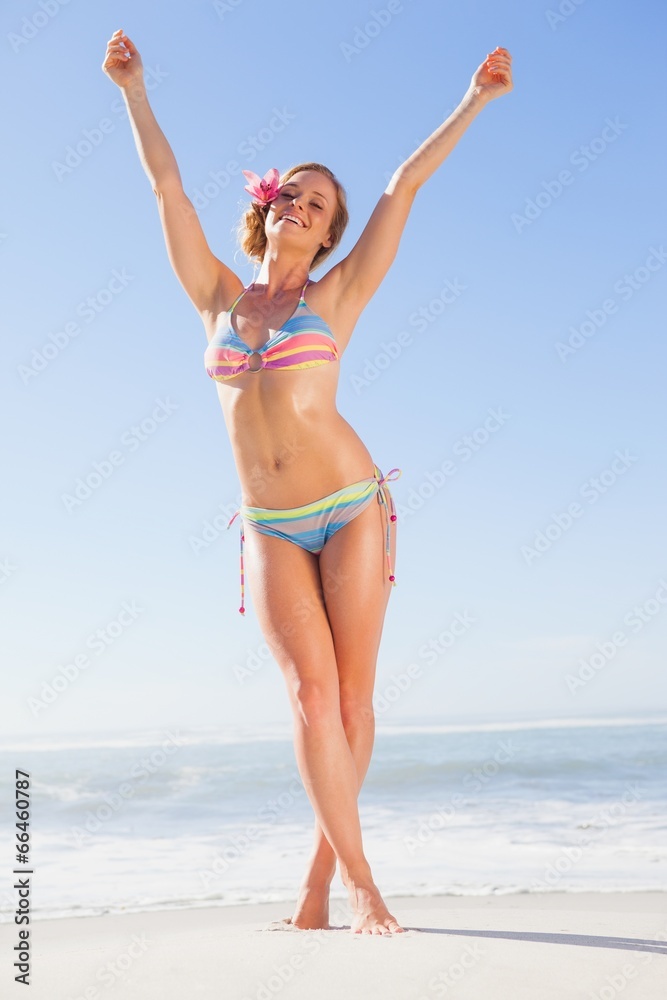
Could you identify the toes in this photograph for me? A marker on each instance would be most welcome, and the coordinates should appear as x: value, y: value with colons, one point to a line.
x: 385, y: 928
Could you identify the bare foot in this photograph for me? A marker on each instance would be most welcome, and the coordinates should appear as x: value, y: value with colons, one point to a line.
x: 312, y: 910
x: 370, y: 915
x: 312, y: 907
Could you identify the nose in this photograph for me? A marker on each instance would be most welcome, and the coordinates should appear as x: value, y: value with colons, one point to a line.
x: 296, y: 206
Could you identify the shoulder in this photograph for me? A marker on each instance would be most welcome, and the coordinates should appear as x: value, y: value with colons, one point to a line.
x: 228, y: 288
x: 325, y: 291
x: 327, y: 298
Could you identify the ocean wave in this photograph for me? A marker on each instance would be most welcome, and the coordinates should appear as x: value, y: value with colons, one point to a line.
x: 230, y: 736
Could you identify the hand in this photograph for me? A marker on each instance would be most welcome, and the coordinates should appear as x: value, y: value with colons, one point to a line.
x: 122, y: 63
x: 494, y: 77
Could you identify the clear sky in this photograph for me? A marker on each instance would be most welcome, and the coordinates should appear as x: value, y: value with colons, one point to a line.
x: 525, y: 409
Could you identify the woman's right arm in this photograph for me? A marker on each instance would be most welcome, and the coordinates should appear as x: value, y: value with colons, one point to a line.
x: 208, y: 282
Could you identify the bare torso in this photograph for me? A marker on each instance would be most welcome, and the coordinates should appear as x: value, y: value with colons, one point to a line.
x: 290, y: 443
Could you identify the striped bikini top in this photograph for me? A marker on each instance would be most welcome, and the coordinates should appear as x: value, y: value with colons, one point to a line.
x: 305, y: 341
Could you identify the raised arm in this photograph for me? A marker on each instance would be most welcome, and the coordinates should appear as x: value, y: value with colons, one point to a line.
x: 207, y: 281
x: 358, y: 276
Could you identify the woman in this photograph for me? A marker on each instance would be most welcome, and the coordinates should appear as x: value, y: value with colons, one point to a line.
x: 320, y: 552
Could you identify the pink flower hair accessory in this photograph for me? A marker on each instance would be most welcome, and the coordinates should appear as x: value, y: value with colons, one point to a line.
x: 264, y: 189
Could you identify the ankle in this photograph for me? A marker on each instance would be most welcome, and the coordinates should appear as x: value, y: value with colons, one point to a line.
x: 358, y: 875
x: 320, y: 874
x: 317, y: 882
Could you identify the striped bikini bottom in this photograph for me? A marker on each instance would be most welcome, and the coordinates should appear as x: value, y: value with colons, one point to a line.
x: 312, y: 525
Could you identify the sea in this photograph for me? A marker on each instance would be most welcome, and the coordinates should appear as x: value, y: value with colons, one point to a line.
x: 189, y: 817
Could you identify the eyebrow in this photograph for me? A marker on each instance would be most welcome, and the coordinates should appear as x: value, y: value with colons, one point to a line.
x: 294, y: 184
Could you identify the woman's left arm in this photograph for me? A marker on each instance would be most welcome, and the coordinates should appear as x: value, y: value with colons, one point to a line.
x: 358, y: 276
x: 492, y: 79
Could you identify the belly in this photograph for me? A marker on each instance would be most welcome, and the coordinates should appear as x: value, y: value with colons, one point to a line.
x: 290, y: 443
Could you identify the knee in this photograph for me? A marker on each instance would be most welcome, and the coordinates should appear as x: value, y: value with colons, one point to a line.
x: 355, y: 711
x: 316, y: 704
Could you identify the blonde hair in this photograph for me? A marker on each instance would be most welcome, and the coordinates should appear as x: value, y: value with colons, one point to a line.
x: 251, y: 232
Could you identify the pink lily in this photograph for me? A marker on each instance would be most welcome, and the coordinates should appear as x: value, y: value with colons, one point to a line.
x: 264, y: 189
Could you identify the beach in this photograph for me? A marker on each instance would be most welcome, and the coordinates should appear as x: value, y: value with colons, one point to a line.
x: 190, y: 818
x: 523, y: 859
x: 537, y: 946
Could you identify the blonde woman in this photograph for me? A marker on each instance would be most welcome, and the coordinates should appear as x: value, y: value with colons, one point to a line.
x: 319, y: 552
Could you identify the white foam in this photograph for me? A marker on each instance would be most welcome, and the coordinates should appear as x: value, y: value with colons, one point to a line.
x: 490, y: 727
x: 229, y: 736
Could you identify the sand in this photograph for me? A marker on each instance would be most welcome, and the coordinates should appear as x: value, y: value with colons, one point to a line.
x: 532, y: 946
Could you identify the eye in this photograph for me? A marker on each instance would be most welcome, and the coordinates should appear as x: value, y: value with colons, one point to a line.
x: 290, y: 194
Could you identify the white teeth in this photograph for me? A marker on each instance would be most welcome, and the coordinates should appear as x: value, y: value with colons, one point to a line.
x: 296, y: 221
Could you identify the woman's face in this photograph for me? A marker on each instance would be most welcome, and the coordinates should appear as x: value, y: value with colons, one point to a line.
x: 310, y: 197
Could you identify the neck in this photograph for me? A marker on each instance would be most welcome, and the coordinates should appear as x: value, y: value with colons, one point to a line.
x: 281, y: 277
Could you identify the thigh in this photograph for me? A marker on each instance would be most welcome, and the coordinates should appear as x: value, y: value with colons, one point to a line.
x: 286, y: 589
x: 354, y: 561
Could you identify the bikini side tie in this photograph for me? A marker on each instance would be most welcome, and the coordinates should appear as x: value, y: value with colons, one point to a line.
x: 242, y: 608
x: 383, y: 495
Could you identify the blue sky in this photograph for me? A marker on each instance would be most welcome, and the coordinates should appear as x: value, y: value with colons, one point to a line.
x: 526, y: 411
